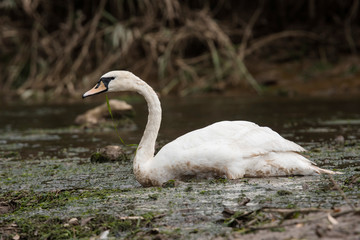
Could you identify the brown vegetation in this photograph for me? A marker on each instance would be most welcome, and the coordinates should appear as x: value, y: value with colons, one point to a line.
x: 52, y: 48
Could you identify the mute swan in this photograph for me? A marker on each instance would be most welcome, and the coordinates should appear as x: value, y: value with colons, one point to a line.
x: 234, y: 149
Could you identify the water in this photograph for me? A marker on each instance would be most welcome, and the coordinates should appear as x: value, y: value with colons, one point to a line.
x: 46, y: 127
x: 48, y: 130
x: 43, y: 151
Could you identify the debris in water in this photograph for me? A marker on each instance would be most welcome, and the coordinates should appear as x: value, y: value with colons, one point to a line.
x: 100, y: 113
x: 111, y: 153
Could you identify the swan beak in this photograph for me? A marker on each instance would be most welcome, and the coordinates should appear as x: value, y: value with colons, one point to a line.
x: 99, y: 88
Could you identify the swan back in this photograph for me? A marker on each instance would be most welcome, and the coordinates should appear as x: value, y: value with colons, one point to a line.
x: 229, y: 148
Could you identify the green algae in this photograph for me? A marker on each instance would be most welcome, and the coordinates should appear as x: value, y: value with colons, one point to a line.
x: 24, y: 201
x: 169, y: 184
x: 46, y: 182
x: 283, y: 192
x: 45, y: 227
x: 62, y: 189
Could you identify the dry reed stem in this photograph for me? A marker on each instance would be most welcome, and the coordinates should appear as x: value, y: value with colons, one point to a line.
x: 89, y: 38
x: 248, y: 30
x: 147, y: 36
x: 347, y: 28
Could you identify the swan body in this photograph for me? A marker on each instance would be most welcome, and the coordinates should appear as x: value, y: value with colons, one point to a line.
x: 234, y: 149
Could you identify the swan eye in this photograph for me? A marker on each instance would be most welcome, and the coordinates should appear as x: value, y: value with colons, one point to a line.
x: 97, y: 85
x: 105, y: 80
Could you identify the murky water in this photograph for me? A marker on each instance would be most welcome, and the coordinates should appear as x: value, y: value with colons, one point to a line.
x: 42, y: 150
x: 47, y: 128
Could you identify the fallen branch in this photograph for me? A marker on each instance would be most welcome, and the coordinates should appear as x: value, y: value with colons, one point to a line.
x: 356, y: 211
x: 301, y: 210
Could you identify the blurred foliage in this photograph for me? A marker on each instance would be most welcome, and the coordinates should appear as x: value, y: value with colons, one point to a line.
x: 61, y: 47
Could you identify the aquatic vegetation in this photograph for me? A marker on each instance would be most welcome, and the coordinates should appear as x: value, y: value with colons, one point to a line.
x: 283, y: 192
x: 108, y: 154
x: 45, y: 227
x: 169, y: 184
x: 50, y: 187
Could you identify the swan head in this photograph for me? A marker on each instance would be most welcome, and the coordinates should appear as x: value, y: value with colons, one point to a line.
x: 114, y: 81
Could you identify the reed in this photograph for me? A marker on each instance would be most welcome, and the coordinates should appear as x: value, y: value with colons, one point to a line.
x: 53, y: 48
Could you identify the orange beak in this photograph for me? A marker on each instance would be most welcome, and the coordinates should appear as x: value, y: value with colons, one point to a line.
x: 99, y: 88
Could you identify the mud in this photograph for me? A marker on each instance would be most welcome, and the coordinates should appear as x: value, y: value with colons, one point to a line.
x: 50, y: 189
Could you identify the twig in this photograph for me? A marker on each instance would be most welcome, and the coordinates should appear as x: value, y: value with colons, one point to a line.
x: 304, y: 220
x: 90, y: 37
x: 216, y: 60
x: 341, y: 192
x: 272, y: 37
x: 239, y: 58
x: 132, y: 218
x: 348, y: 32
x: 301, y: 210
x: 248, y: 30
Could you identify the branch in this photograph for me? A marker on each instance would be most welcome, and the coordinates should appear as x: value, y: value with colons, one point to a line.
x: 347, y: 28
x: 276, y: 36
x: 356, y: 211
x: 90, y: 37
x: 248, y: 30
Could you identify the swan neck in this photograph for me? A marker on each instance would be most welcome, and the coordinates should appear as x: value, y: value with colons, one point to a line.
x: 146, y: 148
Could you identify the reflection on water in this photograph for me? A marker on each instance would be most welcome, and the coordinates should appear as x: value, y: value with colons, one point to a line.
x: 287, y: 116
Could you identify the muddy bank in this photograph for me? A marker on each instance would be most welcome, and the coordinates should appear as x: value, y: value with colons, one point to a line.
x: 38, y: 200
x: 50, y: 189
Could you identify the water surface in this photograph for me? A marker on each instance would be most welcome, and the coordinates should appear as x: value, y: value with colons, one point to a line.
x: 41, y: 150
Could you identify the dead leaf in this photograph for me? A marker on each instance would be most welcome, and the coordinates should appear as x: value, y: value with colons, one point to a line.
x: 85, y: 221
x: 332, y: 220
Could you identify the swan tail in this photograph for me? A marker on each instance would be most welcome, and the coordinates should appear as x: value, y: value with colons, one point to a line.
x: 321, y: 170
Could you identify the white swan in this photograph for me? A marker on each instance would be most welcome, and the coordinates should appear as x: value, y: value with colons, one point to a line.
x: 234, y: 149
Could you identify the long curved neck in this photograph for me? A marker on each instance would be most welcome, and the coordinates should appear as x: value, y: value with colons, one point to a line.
x: 146, y: 148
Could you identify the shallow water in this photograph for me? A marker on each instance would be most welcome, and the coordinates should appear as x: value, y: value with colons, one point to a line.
x: 47, y: 128
x: 41, y: 150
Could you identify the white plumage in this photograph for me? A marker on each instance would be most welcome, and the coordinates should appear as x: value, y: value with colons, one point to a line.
x: 234, y: 149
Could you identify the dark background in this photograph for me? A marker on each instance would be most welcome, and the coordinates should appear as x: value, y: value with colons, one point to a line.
x: 275, y: 47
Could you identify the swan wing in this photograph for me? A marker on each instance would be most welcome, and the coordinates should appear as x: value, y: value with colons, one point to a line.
x: 231, y: 148
x: 244, y: 136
